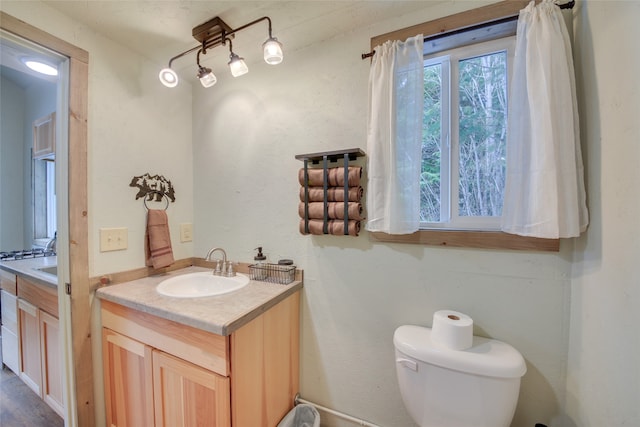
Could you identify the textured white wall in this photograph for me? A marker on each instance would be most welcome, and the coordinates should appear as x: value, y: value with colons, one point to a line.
x: 603, y: 384
x: 246, y: 133
x: 40, y: 100
x: 11, y: 165
x: 135, y: 125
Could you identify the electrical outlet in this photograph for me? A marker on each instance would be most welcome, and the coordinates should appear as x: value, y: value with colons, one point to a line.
x: 186, y: 232
x: 113, y: 239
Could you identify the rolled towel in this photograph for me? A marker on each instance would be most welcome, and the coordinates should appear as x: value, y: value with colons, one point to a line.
x: 157, y: 242
x: 335, y: 210
x: 335, y: 227
x: 334, y: 194
x: 335, y: 177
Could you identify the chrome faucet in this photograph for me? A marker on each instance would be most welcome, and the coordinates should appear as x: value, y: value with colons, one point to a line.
x: 51, y: 244
x: 226, y: 269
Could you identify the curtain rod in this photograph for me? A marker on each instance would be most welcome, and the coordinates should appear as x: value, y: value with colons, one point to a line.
x: 568, y: 5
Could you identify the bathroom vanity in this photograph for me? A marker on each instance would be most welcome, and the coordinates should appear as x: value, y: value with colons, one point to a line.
x: 30, y: 327
x: 226, y: 360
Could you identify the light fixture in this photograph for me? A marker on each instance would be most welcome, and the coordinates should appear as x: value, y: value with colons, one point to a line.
x: 236, y: 64
x: 168, y: 77
x: 40, y: 67
x: 216, y: 32
x: 206, y: 76
x: 272, y: 49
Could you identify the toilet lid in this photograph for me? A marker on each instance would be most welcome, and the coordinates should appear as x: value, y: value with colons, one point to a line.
x: 487, y: 357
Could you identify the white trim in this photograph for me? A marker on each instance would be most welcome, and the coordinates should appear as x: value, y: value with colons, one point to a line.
x: 449, y: 155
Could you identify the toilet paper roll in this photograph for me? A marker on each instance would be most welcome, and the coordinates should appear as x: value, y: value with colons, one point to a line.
x: 452, y: 330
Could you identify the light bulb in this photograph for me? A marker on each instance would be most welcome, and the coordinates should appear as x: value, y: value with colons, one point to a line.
x: 272, y: 49
x: 41, y: 67
x: 168, y: 77
x: 237, y: 65
x: 206, y: 76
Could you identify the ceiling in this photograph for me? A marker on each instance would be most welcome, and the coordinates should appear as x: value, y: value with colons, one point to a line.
x: 13, y: 50
x: 160, y: 30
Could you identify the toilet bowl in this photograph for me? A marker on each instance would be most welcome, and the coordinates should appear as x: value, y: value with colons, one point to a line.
x: 440, y: 387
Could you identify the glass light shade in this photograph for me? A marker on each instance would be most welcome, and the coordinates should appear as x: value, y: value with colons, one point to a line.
x: 237, y: 65
x: 168, y: 77
x: 206, y: 76
x: 272, y: 49
x: 41, y: 67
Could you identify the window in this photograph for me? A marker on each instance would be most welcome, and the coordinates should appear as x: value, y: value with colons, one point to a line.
x: 442, y: 35
x: 464, y: 135
x: 44, y: 201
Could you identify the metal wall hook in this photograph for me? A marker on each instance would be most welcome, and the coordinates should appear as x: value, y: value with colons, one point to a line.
x: 153, y: 188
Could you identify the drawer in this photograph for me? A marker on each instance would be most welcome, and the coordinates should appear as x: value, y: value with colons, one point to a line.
x: 199, y: 347
x: 8, y: 282
x: 10, y: 350
x: 43, y: 297
x: 9, y: 311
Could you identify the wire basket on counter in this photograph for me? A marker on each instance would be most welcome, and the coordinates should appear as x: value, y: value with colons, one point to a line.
x: 273, y: 273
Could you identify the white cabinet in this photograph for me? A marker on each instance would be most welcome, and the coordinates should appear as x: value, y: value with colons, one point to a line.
x: 44, y: 137
x: 10, y: 346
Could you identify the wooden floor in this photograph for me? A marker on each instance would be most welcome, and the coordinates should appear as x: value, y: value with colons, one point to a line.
x: 21, y: 407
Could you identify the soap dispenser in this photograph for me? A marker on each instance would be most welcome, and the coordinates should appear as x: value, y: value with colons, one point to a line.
x: 260, y: 265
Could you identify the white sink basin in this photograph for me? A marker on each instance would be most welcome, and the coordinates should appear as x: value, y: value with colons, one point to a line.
x: 49, y: 270
x: 202, y: 284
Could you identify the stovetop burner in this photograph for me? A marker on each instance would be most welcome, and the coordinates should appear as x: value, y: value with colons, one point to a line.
x: 25, y: 254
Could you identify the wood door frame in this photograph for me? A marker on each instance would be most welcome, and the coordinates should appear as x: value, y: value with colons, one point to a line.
x: 78, y: 215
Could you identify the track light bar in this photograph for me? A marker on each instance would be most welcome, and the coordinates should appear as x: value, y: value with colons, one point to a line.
x: 216, y: 32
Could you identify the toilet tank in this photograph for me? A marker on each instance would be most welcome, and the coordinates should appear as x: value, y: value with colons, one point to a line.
x: 477, y: 387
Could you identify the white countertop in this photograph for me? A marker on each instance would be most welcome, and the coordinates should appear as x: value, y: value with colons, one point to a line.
x: 222, y: 314
x: 29, y: 269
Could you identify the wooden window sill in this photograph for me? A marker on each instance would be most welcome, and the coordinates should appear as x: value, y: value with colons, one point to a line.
x: 471, y: 239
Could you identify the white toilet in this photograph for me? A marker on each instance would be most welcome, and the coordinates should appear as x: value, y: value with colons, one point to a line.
x: 477, y: 387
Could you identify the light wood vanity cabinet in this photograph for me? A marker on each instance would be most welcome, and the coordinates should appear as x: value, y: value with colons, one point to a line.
x: 40, y: 364
x: 30, y: 364
x: 159, y: 372
x: 128, y: 380
x: 188, y: 395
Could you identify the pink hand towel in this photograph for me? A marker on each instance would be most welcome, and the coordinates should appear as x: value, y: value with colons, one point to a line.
x: 157, y: 242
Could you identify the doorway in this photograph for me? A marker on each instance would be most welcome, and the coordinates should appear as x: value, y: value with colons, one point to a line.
x: 72, y: 218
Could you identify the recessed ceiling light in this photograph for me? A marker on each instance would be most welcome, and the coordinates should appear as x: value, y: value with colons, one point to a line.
x: 40, y: 67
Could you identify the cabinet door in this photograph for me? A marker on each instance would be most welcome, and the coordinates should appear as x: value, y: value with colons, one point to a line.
x: 127, y: 381
x: 10, y: 349
x: 30, y: 365
x: 51, y: 362
x: 187, y: 395
x: 44, y: 136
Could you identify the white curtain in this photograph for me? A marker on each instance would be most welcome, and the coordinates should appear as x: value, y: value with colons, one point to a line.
x: 544, y: 191
x: 394, y: 137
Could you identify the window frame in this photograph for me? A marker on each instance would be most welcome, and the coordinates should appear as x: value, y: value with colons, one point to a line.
x: 462, y: 238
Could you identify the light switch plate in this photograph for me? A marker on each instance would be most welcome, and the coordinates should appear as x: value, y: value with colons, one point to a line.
x: 113, y: 239
x: 186, y: 232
